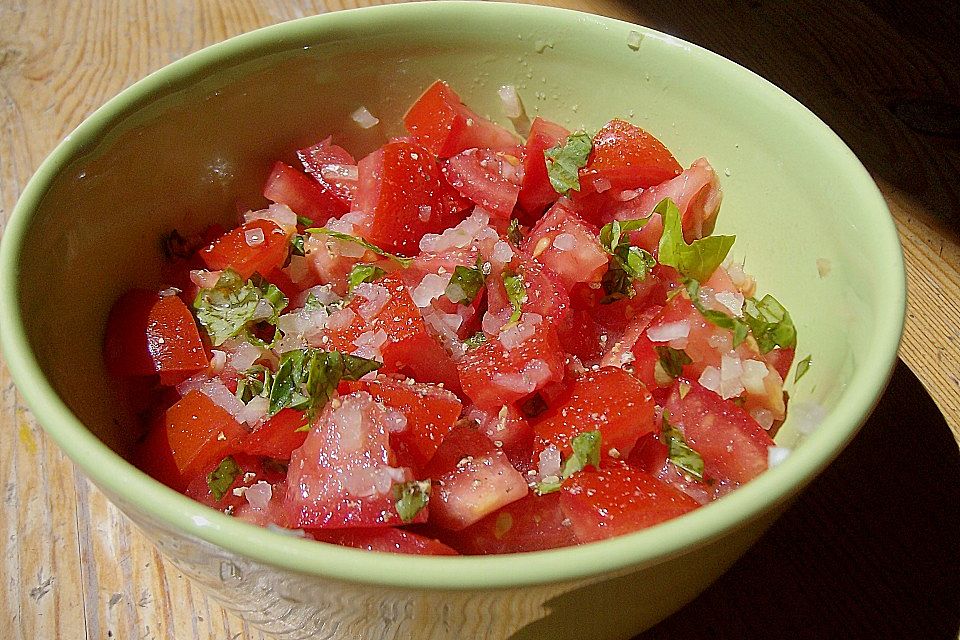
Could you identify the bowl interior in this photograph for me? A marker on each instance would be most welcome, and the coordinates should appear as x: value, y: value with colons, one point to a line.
x: 192, y: 144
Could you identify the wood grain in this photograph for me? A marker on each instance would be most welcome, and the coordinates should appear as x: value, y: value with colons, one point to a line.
x: 73, y: 567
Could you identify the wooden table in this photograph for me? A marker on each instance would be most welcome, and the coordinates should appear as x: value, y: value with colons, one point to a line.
x: 871, y: 549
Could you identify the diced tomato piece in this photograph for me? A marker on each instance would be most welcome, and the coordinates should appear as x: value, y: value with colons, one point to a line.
x: 493, y: 376
x: 192, y: 434
x: 431, y: 412
x: 732, y: 444
x: 649, y: 454
x: 533, y: 523
x: 633, y: 350
x: 568, y: 246
x: 490, y: 180
x: 629, y: 157
x: 612, y: 502
x: 148, y: 334
x: 343, y: 475
x: 536, y: 192
x: 471, y: 479
x: 609, y: 400
x: 545, y: 294
x: 278, y: 436
x: 250, y: 470
x: 333, y: 168
x: 445, y: 126
x: 405, y: 196
x: 510, y: 431
x: 409, y: 349
x: 386, y: 539
x: 303, y: 195
x: 781, y: 360
x: 283, y: 282
x: 234, y: 251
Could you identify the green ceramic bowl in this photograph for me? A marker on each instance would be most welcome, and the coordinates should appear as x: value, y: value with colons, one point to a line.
x: 179, y: 148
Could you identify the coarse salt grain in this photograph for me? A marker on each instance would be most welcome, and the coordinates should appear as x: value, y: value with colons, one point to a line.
x: 565, y: 242
x: 776, y: 455
x: 254, y: 237
x: 669, y: 331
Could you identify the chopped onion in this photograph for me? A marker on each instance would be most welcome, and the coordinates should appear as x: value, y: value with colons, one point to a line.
x: 516, y: 335
x: 276, y: 212
x: 222, y: 397
x: 430, y: 288
x: 204, y: 279
x: 764, y: 417
x: 502, y: 252
x: 776, y: 455
x: 565, y: 242
x: 364, y: 118
x: 754, y: 373
x: 340, y: 172
x: 254, y: 237
x: 549, y: 462
x: 347, y: 421
x: 732, y: 301
x: 627, y: 195
x: 299, y: 269
x: 377, y: 296
x: 217, y: 360
x: 730, y: 372
x: 254, y: 411
x: 510, y: 101
x: 459, y: 236
x: 342, y: 319
x: 669, y: 331
x: 492, y: 322
x: 394, y: 421
x: 192, y: 383
x: 710, y: 379
x: 259, y: 494
x: 244, y: 357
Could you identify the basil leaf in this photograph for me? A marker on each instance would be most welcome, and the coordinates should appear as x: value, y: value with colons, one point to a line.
x: 411, y: 498
x: 586, y: 452
x: 628, y: 263
x: 369, y: 246
x: 680, y: 453
x: 516, y: 293
x: 514, y: 235
x: 297, y: 245
x: 255, y: 381
x: 565, y: 161
x: 225, y: 310
x: 305, y: 221
x: 475, y: 340
x: 363, y: 273
x: 307, y: 378
x: 611, y: 235
x: 672, y: 360
x: 770, y: 324
x: 697, y: 260
x: 221, y: 479
x: 464, y: 285
x: 802, y: 367
x: 739, y: 328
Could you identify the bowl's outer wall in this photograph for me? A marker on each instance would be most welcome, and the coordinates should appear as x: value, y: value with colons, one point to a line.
x: 191, y: 144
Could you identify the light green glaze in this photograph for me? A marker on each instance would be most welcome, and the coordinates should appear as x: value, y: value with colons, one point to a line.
x: 183, y: 146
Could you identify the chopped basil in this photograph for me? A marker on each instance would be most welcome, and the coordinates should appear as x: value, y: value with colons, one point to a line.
x: 221, y: 479
x: 411, y: 498
x: 514, y: 235
x: 255, y: 381
x: 565, y: 161
x: 465, y: 284
x: 364, y: 273
x: 313, y: 303
x: 516, y: 293
x: 307, y: 378
x: 672, y: 360
x: 475, y: 340
x: 229, y: 307
x: 697, y: 260
x: 305, y: 221
x: 369, y: 246
x: 802, y: 367
x: 680, y: 453
x: 770, y: 324
x: 586, y: 452
x: 628, y: 263
x: 297, y: 245
x: 718, y: 318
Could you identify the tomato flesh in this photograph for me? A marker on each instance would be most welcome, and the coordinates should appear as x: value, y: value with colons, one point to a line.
x: 629, y: 158
x: 567, y: 246
x: 536, y: 192
x: 234, y: 250
x: 489, y: 180
x: 331, y: 166
x: 304, y: 196
x: 278, y: 437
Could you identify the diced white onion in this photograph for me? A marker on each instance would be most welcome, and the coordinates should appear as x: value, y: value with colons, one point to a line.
x: 565, y: 242
x: 430, y: 288
x: 627, y: 195
x: 339, y: 172
x: 394, y: 421
x: 204, y: 279
x: 244, y: 357
x: 534, y: 374
x: 459, y: 236
x: 776, y: 455
x: 254, y: 411
x: 217, y: 360
x: 276, y: 212
x: 259, y: 494
x: 347, y: 420
x: 254, y: 237
x: 492, y: 322
x: 732, y: 301
x: 222, y: 397
x: 730, y: 372
x: 710, y: 379
x: 764, y: 417
x: 364, y: 118
x: 549, y: 462
x: 519, y: 333
x: 341, y: 319
x: 377, y: 296
x: 754, y: 373
x: 502, y: 252
x: 669, y: 331
x: 299, y: 269
x: 510, y: 101
x: 192, y: 383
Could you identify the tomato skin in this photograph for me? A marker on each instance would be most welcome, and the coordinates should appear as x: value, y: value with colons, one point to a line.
x: 231, y: 251
x: 489, y: 180
x: 386, y: 539
x: 733, y: 446
x: 609, y: 400
x: 586, y: 261
x: 304, y: 196
x: 405, y: 196
x: 430, y: 411
x: 536, y: 192
x: 325, y: 155
x: 278, y: 437
x: 440, y: 122
x: 149, y: 334
x: 619, y: 500
x: 187, y: 439
x: 533, y: 523
x: 629, y: 157
x: 781, y: 360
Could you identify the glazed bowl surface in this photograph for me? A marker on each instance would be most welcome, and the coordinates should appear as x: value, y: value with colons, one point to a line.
x: 182, y: 147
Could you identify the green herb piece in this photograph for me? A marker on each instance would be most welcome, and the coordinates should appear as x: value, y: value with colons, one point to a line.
x: 411, y: 498
x: 680, y: 453
x: 514, y: 235
x: 369, y: 246
x: 565, y: 161
x: 718, y: 318
x: 672, y: 360
x: 628, y: 263
x: 586, y: 452
x: 364, y: 273
x: 770, y: 324
x: 802, y: 367
x: 697, y: 260
x: 475, y: 340
x: 226, y: 309
x: 465, y: 284
x: 307, y: 378
x: 313, y: 303
x: 297, y: 245
x: 516, y: 293
x: 302, y: 429
x: 221, y: 479
x: 253, y: 382
x: 304, y: 221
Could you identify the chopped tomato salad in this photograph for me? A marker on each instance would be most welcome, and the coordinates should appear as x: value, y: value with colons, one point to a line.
x: 465, y: 342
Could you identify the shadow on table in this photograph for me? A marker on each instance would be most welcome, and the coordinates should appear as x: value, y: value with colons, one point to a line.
x: 870, y: 550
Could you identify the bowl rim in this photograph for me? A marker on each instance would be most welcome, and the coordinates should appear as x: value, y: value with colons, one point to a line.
x: 629, y: 552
